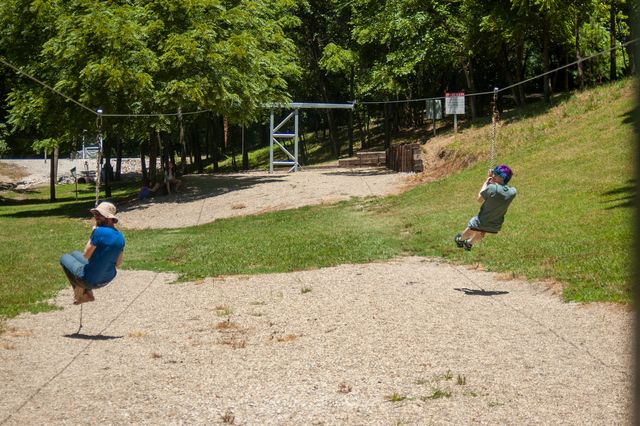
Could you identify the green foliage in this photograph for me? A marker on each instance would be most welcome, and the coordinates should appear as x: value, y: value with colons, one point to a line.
x: 336, y: 59
x: 144, y: 57
x: 3, y: 138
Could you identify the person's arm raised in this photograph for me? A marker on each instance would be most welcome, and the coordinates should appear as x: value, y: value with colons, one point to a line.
x: 486, y: 183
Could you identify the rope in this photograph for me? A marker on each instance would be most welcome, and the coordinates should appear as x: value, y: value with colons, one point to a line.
x: 494, y: 121
x: 80, y: 327
x: 37, y: 391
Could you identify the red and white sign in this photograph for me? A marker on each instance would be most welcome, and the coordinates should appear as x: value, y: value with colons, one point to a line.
x: 454, y: 103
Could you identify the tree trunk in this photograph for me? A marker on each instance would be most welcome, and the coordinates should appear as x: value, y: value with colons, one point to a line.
x: 56, y: 155
x: 612, y: 41
x: 143, y: 165
x: 118, y: 159
x: 545, y: 58
x: 579, y: 55
x: 387, y: 127
x: 183, y: 154
x: 303, y: 149
x: 232, y: 138
x: 566, y: 73
x: 246, y: 138
x: 195, y: 145
x: 153, y: 155
x: 160, y: 153
x: 367, y: 121
x: 333, y: 133
x: 467, y: 66
x: 107, y: 166
x: 350, y: 133
x: 52, y: 177
x: 520, y: 66
x: 217, y: 135
x: 360, y: 125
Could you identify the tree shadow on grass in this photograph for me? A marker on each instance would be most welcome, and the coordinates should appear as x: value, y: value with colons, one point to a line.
x: 195, y: 187
x: 620, y: 197
x: 630, y: 118
x: 478, y: 292
x: 79, y: 209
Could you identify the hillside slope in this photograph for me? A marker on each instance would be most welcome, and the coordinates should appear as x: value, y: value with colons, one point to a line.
x: 572, y: 218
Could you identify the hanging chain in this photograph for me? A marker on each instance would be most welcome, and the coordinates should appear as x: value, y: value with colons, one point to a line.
x: 494, y: 121
x: 99, y: 156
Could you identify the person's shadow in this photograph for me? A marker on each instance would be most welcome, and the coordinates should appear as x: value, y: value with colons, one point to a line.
x: 83, y: 336
x: 479, y: 292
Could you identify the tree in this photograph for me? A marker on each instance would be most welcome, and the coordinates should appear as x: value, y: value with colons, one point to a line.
x: 131, y: 57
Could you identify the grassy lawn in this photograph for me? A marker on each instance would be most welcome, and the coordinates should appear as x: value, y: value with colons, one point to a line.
x: 571, y: 221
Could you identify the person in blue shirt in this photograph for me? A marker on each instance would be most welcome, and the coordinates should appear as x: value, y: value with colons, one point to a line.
x: 495, y: 196
x: 96, y: 266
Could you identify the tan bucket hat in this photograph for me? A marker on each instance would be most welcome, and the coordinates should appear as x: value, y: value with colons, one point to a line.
x: 106, y: 209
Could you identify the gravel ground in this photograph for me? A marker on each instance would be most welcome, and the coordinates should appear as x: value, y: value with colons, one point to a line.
x: 409, y: 341
x: 204, y: 199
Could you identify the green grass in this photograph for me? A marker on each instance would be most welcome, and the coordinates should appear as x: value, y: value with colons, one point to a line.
x: 571, y: 221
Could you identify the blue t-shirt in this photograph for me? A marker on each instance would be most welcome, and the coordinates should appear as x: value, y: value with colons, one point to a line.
x: 101, y: 268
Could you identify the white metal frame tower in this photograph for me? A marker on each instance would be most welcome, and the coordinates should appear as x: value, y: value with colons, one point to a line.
x: 275, y: 135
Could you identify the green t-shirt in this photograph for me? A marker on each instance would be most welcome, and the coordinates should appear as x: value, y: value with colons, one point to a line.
x: 496, y: 202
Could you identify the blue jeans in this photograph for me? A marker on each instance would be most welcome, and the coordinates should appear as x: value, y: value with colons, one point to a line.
x: 73, y: 265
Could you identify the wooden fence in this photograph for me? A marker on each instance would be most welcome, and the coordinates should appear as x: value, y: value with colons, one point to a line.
x: 405, y: 158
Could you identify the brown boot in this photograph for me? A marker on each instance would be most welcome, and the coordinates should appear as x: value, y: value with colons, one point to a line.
x: 86, y: 297
x: 78, y: 293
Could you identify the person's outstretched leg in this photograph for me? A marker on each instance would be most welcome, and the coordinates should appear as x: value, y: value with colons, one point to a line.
x: 462, y: 237
x: 475, y: 237
x: 73, y: 263
x: 73, y: 267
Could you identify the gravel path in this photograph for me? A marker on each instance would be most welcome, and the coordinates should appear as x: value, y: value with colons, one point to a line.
x: 410, y: 341
x: 207, y: 198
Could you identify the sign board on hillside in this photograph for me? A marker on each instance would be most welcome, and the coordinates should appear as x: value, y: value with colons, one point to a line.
x: 434, y: 109
x: 454, y: 103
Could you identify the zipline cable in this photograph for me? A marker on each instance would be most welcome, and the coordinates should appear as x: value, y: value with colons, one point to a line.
x: 539, y: 323
x: 45, y: 384
x: 123, y: 115
x: 19, y: 71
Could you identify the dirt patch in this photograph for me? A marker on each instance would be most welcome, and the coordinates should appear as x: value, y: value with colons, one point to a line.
x: 11, y: 173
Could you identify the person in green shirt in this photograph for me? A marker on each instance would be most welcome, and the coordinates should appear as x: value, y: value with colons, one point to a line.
x: 495, y: 196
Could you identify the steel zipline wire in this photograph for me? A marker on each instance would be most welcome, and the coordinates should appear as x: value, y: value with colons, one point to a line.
x: 171, y: 114
x: 502, y: 89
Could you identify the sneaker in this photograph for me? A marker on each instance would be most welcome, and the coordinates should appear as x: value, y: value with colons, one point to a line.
x: 467, y: 245
x: 458, y: 241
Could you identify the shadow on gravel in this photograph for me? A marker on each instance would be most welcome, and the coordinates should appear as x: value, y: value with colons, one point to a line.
x: 89, y: 337
x: 476, y: 292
